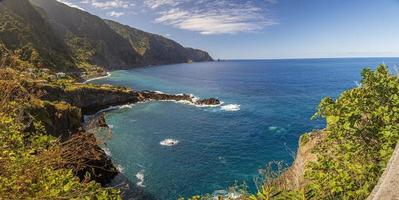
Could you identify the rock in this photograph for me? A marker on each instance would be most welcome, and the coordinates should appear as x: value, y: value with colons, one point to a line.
x: 101, y: 121
x: 150, y: 95
x: 82, y: 154
x: 210, y: 101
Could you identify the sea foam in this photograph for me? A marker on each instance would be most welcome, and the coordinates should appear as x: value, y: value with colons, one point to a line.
x: 127, y: 106
x: 120, y: 168
x: 230, y: 107
x: 140, y: 178
x: 169, y: 142
x: 107, y: 151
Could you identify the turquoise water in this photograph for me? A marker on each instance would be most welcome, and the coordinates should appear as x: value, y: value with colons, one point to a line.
x: 267, y: 106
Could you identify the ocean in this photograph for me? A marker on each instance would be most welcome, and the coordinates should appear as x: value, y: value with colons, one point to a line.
x: 173, y: 149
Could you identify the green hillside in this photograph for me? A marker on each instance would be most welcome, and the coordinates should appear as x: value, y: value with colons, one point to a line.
x: 23, y: 30
x: 90, y: 39
x: 49, y: 34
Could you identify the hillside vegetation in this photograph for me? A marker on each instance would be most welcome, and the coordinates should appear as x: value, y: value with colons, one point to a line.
x: 33, y: 163
x: 49, y: 34
x: 24, y: 31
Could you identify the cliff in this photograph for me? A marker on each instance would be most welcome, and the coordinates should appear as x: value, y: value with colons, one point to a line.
x: 90, y: 99
x: 59, y: 119
x: 293, y: 178
x: 50, y: 34
x: 155, y: 49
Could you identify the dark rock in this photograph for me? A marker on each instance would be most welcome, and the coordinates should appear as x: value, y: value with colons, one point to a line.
x: 149, y: 95
x: 83, y: 155
x: 101, y: 121
x: 210, y: 101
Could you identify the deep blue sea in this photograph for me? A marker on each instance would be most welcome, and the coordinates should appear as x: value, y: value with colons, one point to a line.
x: 267, y: 106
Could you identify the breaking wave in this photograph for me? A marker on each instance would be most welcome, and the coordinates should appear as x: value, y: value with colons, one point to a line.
x: 230, y: 107
x: 140, y: 178
x: 169, y: 142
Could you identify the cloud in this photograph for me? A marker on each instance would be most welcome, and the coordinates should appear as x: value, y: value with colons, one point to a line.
x: 108, y: 4
x: 115, y: 14
x: 71, y: 4
x: 212, y: 17
x: 153, y: 4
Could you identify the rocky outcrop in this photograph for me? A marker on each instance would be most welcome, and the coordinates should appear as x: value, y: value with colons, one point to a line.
x: 101, y: 121
x: 210, y: 101
x: 90, y: 99
x: 82, y: 154
x: 149, y: 95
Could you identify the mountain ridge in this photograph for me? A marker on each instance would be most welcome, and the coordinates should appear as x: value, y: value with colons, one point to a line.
x: 50, y: 34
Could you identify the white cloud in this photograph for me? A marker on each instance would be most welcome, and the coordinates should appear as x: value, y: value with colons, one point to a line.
x: 115, y: 14
x: 153, y: 4
x: 108, y: 4
x: 215, y: 17
x: 70, y: 4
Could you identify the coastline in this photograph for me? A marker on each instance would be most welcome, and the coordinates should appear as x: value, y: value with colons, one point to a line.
x: 96, y: 77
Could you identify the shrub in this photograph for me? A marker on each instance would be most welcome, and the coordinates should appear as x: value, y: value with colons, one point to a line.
x: 362, y: 127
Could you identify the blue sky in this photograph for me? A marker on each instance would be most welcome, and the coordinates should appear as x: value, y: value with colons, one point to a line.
x: 262, y: 29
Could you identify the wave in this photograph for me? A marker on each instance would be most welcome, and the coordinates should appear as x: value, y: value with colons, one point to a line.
x: 169, y: 142
x: 107, y: 151
x: 231, y: 107
x: 120, y: 168
x: 276, y: 129
x: 159, y: 92
x: 140, y: 178
x: 127, y: 106
x: 97, y: 78
x: 227, y: 195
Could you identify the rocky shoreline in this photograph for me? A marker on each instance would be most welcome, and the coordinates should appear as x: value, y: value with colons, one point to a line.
x: 151, y: 95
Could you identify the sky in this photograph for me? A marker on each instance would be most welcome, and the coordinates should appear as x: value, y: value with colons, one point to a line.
x: 263, y: 29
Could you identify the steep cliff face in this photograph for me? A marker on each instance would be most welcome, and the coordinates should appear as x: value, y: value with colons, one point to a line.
x: 293, y: 178
x: 89, y: 38
x: 155, y: 49
x: 59, y: 119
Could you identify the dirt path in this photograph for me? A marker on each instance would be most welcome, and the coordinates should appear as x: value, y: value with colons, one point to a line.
x: 388, y: 185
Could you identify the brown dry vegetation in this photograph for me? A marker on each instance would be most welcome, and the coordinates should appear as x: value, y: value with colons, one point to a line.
x: 34, y: 165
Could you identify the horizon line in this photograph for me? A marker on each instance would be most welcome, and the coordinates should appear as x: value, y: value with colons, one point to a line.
x: 304, y: 58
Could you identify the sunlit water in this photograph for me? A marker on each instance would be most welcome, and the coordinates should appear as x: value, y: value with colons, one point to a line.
x: 174, y: 149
